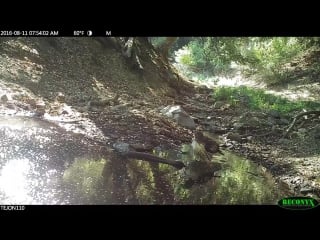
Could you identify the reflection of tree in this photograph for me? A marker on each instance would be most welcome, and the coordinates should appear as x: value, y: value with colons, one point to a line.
x: 83, y: 183
x: 139, y: 182
x: 142, y: 181
x: 163, y: 190
x: 122, y: 190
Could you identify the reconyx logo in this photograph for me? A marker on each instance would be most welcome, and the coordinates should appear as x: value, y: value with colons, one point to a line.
x: 298, y: 203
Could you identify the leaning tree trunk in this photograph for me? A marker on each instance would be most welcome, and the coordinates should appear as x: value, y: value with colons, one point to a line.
x: 150, y: 63
x: 165, y: 47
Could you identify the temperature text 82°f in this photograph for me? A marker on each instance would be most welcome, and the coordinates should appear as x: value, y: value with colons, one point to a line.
x: 78, y: 33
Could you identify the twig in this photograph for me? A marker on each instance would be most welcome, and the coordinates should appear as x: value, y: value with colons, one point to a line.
x: 300, y: 115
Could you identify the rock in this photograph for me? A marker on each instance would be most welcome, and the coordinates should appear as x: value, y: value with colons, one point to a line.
x: 218, y: 104
x: 283, y: 121
x: 196, y: 120
x: 254, y: 122
x: 302, y: 130
x: 316, y: 135
x: 249, y: 138
x: 306, y: 164
x: 99, y: 103
x: 60, y: 97
x: 168, y: 110
x: 82, y: 109
x: 4, y: 98
x: 306, y: 190
x: 184, y: 120
x: 274, y: 114
x: 179, y: 115
x: 121, y: 147
x: 316, y: 132
x: 11, y: 106
x: 225, y: 107
x: 312, y: 177
x: 218, y: 130
x: 39, y: 112
x: 40, y: 109
x: 120, y: 108
x: 272, y: 121
x: 234, y: 137
x: 197, y: 96
x: 238, y: 126
x: 203, y: 89
x: 32, y: 102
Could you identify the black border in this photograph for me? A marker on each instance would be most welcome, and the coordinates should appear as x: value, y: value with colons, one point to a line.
x: 154, y: 211
x: 163, y: 19
x: 254, y: 26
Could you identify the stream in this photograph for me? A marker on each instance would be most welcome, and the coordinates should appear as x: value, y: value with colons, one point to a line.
x: 42, y: 164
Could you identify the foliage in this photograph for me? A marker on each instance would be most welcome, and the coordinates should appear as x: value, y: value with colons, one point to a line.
x: 85, y: 179
x: 264, y: 55
x: 179, y: 43
x: 208, y: 55
x: 245, y: 183
x: 186, y: 58
x: 157, y: 41
x: 258, y: 99
x: 269, y: 52
x: 146, y: 187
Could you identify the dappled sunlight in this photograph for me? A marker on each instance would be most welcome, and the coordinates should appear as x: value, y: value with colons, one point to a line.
x: 100, y: 89
x: 17, y: 44
x: 294, y: 94
x: 13, y: 182
x: 309, y: 168
x: 19, y: 182
x: 18, y: 69
x: 230, y: 81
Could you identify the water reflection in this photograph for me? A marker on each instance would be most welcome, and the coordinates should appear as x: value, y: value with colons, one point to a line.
x: 22, y: 183
x: 240, y: 181
x: 13, y: 182
x: 88, y: 181
x: 84, y: 182
x: 34, y: 155
x: 50, y: 167
x: 244, y: 182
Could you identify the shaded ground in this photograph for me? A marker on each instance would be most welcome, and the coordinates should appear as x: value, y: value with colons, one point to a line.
x: 84, y: 86
x: 95, y: 83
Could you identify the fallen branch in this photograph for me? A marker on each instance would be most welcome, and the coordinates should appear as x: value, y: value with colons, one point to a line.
x: 300, y: 115
x: 151, y: 158
x: 125, y: 150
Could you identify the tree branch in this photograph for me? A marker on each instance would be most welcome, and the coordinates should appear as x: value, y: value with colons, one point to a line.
x: 300, y: 115
x: 151, y: 158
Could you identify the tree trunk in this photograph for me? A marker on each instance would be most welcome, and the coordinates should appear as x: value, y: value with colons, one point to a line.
x: 164, y: 48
